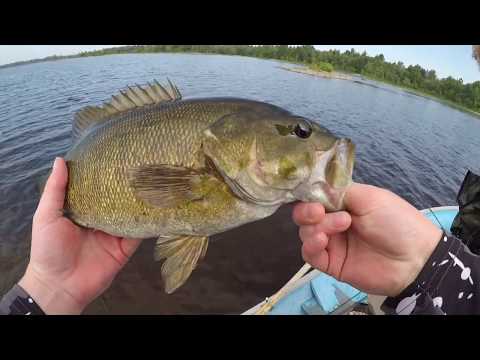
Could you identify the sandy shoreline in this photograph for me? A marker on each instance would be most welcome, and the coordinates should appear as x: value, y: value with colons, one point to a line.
x: 324, y: 74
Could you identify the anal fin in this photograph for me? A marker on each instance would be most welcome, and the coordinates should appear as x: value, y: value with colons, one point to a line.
x: 182, y: 256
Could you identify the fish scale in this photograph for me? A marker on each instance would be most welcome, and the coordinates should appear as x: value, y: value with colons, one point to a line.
x: 99, y: 193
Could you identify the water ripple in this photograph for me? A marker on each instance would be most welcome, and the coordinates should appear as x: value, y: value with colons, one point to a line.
x: 413, y: 146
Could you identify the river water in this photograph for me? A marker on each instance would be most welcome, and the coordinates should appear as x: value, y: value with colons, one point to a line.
x: 416, y: 147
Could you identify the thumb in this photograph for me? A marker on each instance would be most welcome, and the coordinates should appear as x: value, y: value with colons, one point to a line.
x: 360, y: 199
x: 53, y: 197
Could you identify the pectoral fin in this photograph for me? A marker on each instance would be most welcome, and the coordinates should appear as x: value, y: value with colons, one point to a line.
x: 182, y: 256
x: 164, y: 185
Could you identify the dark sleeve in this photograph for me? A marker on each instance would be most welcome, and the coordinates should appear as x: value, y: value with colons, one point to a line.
x: 448, y: 284
x: 18, y: 302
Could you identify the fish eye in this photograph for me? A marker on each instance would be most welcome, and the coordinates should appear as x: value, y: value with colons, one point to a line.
x: 303, y: 131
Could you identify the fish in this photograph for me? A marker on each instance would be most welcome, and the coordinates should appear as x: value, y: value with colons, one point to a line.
x: 151, y: 164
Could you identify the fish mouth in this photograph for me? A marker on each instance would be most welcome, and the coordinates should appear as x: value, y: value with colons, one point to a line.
x: 330, y: 177
x: 339, y: 170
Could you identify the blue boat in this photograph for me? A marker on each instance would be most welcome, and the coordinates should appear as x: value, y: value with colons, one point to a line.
x: 317, y: 293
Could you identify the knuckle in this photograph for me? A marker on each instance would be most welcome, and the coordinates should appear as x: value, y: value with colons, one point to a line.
x: 301, y: 233
x: 305, y: 254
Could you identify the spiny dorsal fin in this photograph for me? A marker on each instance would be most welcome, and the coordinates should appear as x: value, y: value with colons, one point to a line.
x: 127, y: 99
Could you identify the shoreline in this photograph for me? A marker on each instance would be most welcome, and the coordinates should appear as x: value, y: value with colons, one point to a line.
x: 431, y: 97
x: 343, y: 76
x: 317, y: 73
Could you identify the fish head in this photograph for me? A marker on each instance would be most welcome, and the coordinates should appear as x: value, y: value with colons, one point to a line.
x: 270, y: 159
x: 330, y: 177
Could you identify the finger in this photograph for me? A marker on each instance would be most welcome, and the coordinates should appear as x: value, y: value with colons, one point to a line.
x: 319, y: 260
x: 308, y: 232
x: 129, y: 246
x: 53, y: 197
x: 335, y: 222
x: 361, y: 199
x: 332, y: 223
x: 337, y: 249
x: 308, y: 213
x: 315, y: 244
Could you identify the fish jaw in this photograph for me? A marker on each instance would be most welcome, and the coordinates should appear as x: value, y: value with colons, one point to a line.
x: 330, y: 178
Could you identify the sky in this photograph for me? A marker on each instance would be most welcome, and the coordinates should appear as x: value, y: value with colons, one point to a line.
x: 446, y: 60
x: 13, y: 53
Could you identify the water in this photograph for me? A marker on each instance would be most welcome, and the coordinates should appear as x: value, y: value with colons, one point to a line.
x: 414, y: 146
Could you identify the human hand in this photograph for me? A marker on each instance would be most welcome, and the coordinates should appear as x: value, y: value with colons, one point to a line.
x: 69, y: 266
x: 379, y: 245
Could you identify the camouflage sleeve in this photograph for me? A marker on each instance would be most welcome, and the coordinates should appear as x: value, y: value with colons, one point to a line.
x: 448, y: 284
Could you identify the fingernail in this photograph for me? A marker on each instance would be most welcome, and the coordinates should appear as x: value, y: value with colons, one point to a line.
x: 340, y: 220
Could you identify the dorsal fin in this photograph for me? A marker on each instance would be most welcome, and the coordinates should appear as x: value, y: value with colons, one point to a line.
x: 127, y: 99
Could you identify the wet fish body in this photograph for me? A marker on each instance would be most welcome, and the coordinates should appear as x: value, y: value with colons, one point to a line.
x: 151, y: 164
